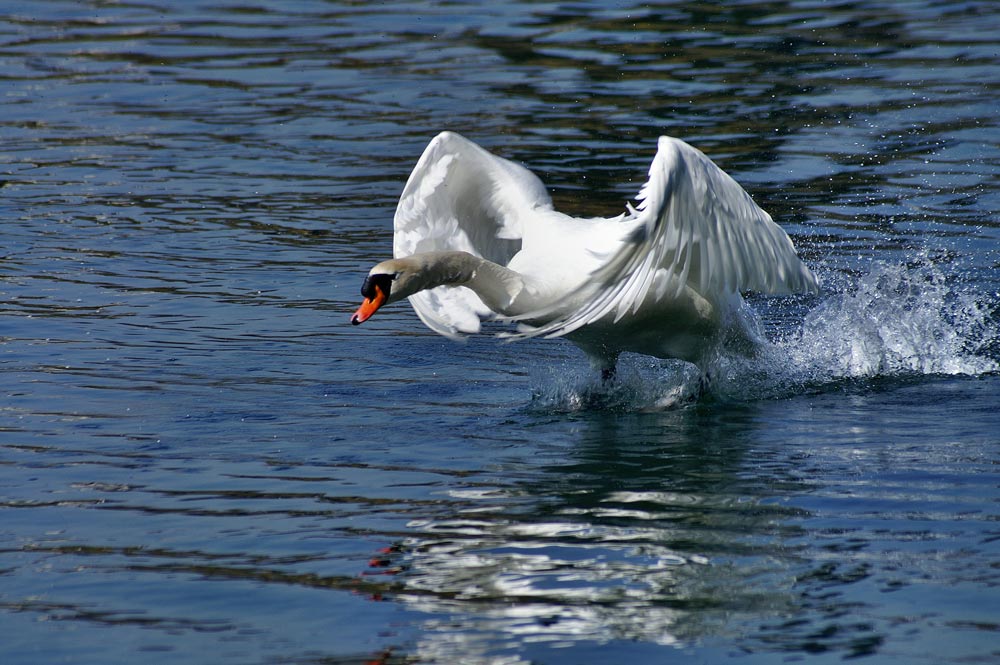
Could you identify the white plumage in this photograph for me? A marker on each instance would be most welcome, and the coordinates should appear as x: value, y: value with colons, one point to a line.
x: 476, y: 237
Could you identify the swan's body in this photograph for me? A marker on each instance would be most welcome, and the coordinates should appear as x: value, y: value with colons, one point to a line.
x: 476, y: 238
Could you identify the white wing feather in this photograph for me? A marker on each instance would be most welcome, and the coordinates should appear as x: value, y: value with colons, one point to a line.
x: 461, y: 197
x: 694, y: 227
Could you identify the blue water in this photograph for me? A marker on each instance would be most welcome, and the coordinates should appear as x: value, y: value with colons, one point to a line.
x: 202, y: 461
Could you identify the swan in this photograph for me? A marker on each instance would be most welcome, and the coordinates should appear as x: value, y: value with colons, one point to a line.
x: 476, y: 238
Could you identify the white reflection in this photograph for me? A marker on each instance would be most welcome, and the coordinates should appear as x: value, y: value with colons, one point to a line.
x: 495, y: 585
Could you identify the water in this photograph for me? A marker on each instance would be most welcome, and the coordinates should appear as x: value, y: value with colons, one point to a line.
x: 202, y: 461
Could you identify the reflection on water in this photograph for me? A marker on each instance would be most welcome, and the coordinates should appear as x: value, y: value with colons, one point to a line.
x: 628, y: 540
x: 198, y: 455
x: 692, y: 527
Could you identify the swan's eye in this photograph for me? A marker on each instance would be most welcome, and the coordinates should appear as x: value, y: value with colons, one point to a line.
x: 375, y: 283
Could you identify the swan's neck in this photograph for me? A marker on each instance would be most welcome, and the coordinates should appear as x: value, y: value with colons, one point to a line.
x: 498, y: 287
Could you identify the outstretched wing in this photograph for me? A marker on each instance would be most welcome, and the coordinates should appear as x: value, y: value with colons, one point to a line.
x: 694, y: 227
x: 461, y: 197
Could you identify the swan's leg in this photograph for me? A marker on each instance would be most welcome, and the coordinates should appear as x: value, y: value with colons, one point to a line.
x: 601, y: 359
x: 607, y: 365
x: 705, y: 383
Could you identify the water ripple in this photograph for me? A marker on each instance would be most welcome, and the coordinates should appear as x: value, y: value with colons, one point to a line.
x: 198, y: 454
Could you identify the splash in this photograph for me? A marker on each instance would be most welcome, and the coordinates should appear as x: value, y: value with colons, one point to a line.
x: 896, y: 321
x: 642, y: 384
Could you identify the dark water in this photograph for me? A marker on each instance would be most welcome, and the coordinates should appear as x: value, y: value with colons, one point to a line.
x: 201, y: 461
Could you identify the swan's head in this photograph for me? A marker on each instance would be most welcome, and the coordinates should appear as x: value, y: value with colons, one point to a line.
x: 388, y: 282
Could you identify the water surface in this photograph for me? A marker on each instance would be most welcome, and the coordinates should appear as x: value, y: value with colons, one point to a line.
x: 202, y: 461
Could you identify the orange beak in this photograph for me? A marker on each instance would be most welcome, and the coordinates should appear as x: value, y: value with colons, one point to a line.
x: 370, y: 306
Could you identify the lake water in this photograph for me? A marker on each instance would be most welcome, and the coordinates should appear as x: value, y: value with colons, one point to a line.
x: 201, y: 461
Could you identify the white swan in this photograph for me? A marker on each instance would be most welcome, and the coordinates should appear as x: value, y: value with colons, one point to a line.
x: 476, y: 238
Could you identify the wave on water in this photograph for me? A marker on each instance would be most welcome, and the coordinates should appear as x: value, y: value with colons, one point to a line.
x: 894, y: 321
